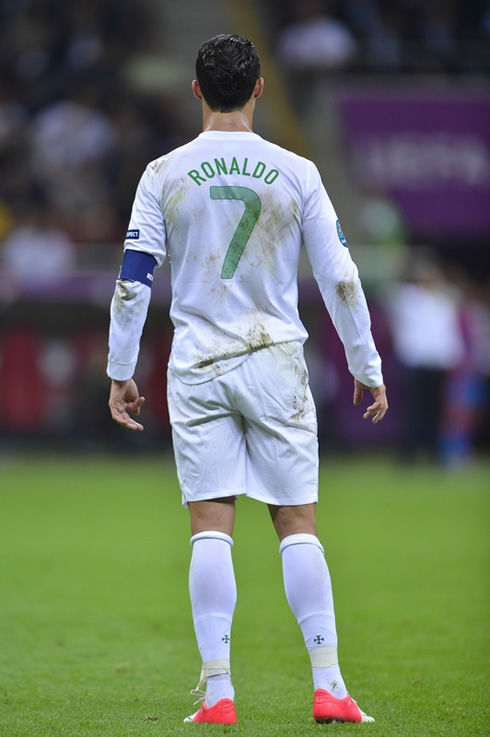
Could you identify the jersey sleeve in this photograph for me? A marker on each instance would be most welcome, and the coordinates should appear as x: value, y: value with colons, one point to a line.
x: 129, y: 308
x: 144, y: 248
x: 146, y: 230
x: 339, y: 283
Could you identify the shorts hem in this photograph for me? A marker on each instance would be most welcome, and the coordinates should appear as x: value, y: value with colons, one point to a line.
x: 209, y: 497
x: 284, y: 502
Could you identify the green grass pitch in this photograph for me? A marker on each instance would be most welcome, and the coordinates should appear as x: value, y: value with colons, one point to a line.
x: 95, y: 629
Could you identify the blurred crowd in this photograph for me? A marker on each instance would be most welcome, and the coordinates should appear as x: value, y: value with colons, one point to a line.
x: 87, y: 98
x: 79, y: 102
x: 383, y: 36
x: 439, y: 322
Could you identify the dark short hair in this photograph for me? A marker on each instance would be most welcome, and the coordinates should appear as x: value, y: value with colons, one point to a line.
x: 227, y: 68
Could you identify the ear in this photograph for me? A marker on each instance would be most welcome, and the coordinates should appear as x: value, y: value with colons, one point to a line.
x: 196, y: 90
x: 259, y: 88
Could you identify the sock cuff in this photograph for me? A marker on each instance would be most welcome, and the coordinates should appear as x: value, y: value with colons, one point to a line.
x: 301, y: 538
x: 324, y: 657
x: 212, y: 535
x: 215, y: 668
x: 211, y: 668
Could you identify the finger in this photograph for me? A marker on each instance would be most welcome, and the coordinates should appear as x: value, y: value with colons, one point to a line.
x: 135, y: 406
x: 372, y: 410
x: 133, y: 425
x: 128, y: 422
x: 357, y: 395
x: 377, y: 411
x: 122, y: 418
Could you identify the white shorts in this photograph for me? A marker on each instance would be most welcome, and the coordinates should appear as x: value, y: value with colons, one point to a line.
x: 251, y: 431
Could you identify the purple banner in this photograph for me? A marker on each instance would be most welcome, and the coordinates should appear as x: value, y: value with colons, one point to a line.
x: 430, y: 151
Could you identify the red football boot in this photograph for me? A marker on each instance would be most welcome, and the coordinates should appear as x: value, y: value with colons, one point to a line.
x: 326, y: 708
x: 223, y: 712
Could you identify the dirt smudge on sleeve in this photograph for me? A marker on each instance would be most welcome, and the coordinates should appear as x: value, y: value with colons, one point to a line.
x: 348, y: 293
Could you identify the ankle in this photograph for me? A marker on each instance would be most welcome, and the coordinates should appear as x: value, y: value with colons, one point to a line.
x: 218, y: 687
x: 329, y: 679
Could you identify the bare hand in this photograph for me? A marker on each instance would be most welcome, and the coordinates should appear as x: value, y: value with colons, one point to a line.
x: 379, y: 408
x: 124, y: 398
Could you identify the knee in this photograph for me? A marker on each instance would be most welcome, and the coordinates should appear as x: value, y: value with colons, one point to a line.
x: 294, y: 520
x: 213, y: 514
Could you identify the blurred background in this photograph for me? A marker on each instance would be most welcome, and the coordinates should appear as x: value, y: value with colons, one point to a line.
x: 389, y: 97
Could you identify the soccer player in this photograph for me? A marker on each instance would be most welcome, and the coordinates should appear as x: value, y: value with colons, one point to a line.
x: 231, y: 212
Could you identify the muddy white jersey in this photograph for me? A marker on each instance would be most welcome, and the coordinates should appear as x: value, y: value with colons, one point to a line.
x: 231, y: 211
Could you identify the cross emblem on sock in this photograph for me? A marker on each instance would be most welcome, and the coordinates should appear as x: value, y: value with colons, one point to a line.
x: 318, y: 639
x: 225, y: 638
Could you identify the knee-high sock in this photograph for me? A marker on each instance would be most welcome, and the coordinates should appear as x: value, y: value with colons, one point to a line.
x: 309, y: 593
x: 213, y: 597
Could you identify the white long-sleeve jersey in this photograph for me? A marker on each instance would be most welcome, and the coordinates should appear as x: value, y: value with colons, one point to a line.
x: 231, y: 211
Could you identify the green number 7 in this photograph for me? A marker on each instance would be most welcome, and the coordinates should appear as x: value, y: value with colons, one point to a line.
x: 244, y: 229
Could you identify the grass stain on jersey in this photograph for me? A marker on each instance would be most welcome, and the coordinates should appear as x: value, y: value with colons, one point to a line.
x: 174, y: 200
x: 256, y: 339
x: 348, y: 293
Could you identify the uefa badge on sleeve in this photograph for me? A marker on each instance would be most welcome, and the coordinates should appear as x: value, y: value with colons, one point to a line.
x: 341, y: 235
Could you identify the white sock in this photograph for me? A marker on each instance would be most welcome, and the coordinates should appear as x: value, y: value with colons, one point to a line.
x: 326, y: 671
x: 219, y: 687
x: 309, y: 593
x: 213, y: 597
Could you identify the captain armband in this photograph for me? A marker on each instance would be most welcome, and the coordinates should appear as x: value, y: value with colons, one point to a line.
x: 138, y: 266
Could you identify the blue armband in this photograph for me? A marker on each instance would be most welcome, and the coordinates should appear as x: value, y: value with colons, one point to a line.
x: 138, y: 266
